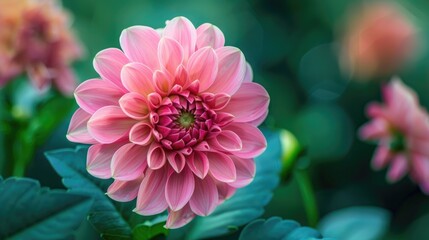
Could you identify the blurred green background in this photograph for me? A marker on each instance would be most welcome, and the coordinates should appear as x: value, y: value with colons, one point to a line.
x: 292, y: 46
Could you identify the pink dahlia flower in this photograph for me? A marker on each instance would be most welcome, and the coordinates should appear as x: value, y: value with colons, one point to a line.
x: 173, y: 120
x: 401, y: 128
x: 35, y: 38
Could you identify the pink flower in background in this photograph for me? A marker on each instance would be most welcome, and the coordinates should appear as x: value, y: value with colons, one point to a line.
x: 173, y: 120
x: 35, y: 38
x: 379, y: 38
x: 401, y: 128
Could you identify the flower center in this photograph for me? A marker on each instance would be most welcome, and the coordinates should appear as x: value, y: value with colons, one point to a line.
x: 397, y: 143
x: 186, y: 119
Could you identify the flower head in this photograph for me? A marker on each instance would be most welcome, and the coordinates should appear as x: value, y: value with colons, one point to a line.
x: 379, y: 39
x: 401, y: 128
x: 173, y: 119
x: 35, y: 37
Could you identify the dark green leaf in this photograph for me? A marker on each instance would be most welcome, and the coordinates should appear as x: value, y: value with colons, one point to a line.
x: 248, y: 203
x: 275, y: 228
x: 355, y: 223
x: 106, y: 218
x: 146, y: 231
x: 30, y: 212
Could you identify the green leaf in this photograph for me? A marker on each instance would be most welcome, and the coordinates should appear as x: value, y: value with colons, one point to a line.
x: 247, y: 203
x: 146, y: 231
x: 31, y: 212
x: 109, y: 221
x: 356, y: 223
x: 276, y: 228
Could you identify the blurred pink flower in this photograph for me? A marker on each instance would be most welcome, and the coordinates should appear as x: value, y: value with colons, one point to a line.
x: 379, y: 38
x: 35, y: 38
x: 173, y: 119
x: 401, y: 128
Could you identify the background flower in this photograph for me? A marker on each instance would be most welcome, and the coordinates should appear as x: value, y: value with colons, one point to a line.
x: 35, y: 38
x: 173, y: 119
x: 401, y: 128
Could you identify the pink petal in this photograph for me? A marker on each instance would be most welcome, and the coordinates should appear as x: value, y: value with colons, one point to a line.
x: 225, y: 191
x: 254, y: 142
x: 137, y: 77
x: 248, y: 76
x: 124, y: 191
x: 66, y: 81
x: 199, y: 164
x: 140, y: 44
x: 216, y: 101
x: 151, y: 197
x: 78, y: 130
x: 177, y: 219
x: 249, y: 103
x: 108, y: 63
x: 135, y: 106
x: 245, y: 171
x: 156, y: 156
x: 94, y: 94
x: 129, y: 162
x: 109, y: 124
x: 205, y: 197
x: 398, y: 168
x: 170, y: 54
x: 163, y: 82
x: 376, y: 129
x: 177, y: 161
x: 203, y: 66
x: 227, y: 141
x: 179, y: 189
x: 141, y: 134
x: 209, y: 35
x: 381, y: 157
x: 222, y: 167
x: 232, y: 68
x: 183, y: 31
x: 99, y: 159
x: 420, y: 170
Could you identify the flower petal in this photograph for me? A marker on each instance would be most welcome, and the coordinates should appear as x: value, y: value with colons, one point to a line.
x: 199, y: 164
x: 78, y: 130
x: 177, y: 219
x: 227, y: 141
x: 108, y: 63
x: 203, y: 66
x: 222, y: 167
x: 245, y: 171
x: 170, y: 54
x: 255, y: 99
x: 254, y: 142
x: 140, y: 44
x: 398, y: 168
x: 205, y: 197
x: 248, y: 76
x: 177, y: 161
x: 156, y: 156
x: 109, y: 124
x: 94, y: 94
x: 99, y: 159
x: 151, y: 197
x: 381, y: 157
x: 129, y: 162
x: 179, y: 189
x: 135, y: 106
x: 183, y: 31
x: 209, y: 35
x: 141, y: 134
x: 137, y: 77
x: 232, y: 68
x: 124, y: 191
x: 225, y: 191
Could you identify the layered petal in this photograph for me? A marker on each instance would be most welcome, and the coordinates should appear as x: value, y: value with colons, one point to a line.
x: 205, y: 197
x: 140, y: 44
x: 109, y: 124
x: 203, y: 66
x: 222, y: 167
x: 94, y: 94
x: 99, y: 159
x: 141, y: 134
x: 177, y: 219
x: 208, y: 35
x: 179, y: 189
x: 254, y: 142
x: 135, y: 106
x: 124, y: 191
x: 129, y: 162
x: 183, y: 31
x: 170, y: 54
x: 249, y: 103
x: 151, y: 196
x: 199, y: 164
x: 108, y: 63
x: 245, y: 171
x: 137, y: 77
x: 78, y: 129
x: 156, y: 156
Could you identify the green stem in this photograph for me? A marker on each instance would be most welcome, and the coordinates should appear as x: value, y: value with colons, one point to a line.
x: 307, y: 194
